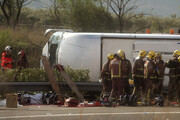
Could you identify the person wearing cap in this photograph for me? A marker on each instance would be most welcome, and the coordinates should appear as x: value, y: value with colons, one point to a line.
x: 160, y: 68
x: 172, y: 64
x: 150, y: 76
x: 106, y: 75
x: 6, y: 60
x: 138, y: 75
x: 22, y: 62
x: 115, y: 68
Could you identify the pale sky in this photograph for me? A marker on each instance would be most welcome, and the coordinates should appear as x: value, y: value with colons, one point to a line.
x: 161, y: 8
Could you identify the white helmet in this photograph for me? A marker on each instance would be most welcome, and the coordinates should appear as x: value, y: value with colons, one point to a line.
x: 8, y: 48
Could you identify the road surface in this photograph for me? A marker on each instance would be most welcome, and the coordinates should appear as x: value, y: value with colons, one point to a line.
x: 89, y: 113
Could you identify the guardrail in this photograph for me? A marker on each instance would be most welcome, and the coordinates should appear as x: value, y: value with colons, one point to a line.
x: 45, y: 86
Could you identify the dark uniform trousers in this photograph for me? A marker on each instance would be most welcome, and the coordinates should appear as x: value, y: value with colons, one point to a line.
x: 151, y: 79
x: 138, y: 74
x: 173, y: 81
x: 106, y: 78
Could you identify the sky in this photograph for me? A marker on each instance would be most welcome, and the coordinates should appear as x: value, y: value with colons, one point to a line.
x: 160, y: 8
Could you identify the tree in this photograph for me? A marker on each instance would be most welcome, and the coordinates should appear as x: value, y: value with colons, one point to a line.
x: 121, y: 8
x: 81, y: 15
x: 11, y: 10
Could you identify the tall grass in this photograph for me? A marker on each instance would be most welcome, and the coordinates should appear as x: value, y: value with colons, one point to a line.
x: 28, y: 39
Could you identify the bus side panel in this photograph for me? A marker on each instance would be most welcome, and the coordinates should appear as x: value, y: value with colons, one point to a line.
x: 113, y: 45
x: 81, y: 52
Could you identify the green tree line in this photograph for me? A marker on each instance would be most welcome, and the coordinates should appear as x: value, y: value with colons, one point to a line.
x: 86, y: 16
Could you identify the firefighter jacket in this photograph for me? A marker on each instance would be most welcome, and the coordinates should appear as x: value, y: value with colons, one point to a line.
x: 178, y: 71
x: 117, y: 69
x: 138, y: 68
x: 172, y: 65
x: 6, y: 61
x: 127, y: 73
x: 150, y: 71
x: 105, y: 73
x: 160, y: 68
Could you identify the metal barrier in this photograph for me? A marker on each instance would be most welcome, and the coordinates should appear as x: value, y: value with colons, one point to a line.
x: 45, y: 86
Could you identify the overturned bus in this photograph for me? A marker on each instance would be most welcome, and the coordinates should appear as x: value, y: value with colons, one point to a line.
x: 89, y: 50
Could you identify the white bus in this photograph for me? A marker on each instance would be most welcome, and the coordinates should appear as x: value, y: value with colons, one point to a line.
x: 89, y: 50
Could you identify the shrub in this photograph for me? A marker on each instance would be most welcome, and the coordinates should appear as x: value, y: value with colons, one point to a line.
x: 39, y: 75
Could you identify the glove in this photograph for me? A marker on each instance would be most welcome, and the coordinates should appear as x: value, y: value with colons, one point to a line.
x: 100, y: 80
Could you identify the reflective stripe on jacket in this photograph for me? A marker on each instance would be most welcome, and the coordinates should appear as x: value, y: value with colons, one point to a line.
x: 150, y: 70
x: 6, y: 61
x: 138, y: 68
x: 115, y: 68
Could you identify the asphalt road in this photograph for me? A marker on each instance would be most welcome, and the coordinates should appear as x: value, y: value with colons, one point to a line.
x: 89, y: 113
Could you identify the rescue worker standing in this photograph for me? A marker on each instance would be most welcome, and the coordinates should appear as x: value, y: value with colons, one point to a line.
x: 172, y: 64
x: 106, y: 75
x: 150, y: 76
x: 22, y: 62
x: 127, y: 74
x: 115, y: 68
x: 6, y: 60
x: 138, y: 74
x: 177, y: 85
x: 160, y: 68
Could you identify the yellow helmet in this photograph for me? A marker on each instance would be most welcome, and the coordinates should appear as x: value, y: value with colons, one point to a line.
x: 151, y: 55
x: 110, y: 56
x: 176, y: 53
x: 121, y: 53
x: 179, y: 59
x: 142, y: 53
x: 158, y: 55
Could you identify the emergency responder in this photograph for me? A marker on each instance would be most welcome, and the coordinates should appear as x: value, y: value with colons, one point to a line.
x: 177, y: 87
x: 22, y: 62
x: 6, y: 60
x: 127, y: 74
x: 150, y: 76
x: 172, y: 64
x: 138, y: 75
x: 116, y: 68
x: 160, y: 68
x: 106, y: 75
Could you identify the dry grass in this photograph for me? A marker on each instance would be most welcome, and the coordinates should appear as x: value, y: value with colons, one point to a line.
x: 29, y: 39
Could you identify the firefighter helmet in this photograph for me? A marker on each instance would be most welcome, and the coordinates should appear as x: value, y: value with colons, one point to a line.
x: 176, y: 53
x: 110, y: 56
x: 142, y: 53
x: 121, y: 54
x: 8, y: 48
x: 158, y: 55
x: 151, y: 55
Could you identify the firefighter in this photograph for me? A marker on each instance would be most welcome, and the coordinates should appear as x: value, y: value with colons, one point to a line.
x: 177, y: 88
x: 127, y: 74
x: 22, y: 62
x: 160, y: 68
x: 116, y: 68
x: 106, y: 75
x: 138, y: 75
x: 150, y: 76
x: 172, y: 64
x: 6, y: 60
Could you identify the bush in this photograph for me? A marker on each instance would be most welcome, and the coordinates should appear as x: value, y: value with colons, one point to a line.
x: 39, y: 75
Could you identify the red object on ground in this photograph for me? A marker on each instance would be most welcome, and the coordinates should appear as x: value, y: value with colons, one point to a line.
x: 71, y: 102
